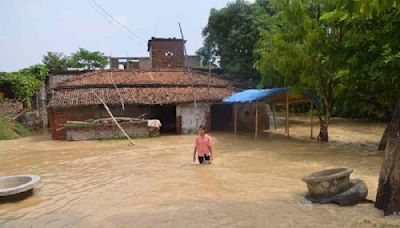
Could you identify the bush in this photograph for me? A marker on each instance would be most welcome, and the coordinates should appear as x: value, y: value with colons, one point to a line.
x: 21, y: 130
x: 12, y: 130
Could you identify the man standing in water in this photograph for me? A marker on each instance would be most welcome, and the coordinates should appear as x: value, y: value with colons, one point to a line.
x: 202, y: 146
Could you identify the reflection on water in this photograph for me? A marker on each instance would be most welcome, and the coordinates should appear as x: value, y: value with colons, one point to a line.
x: 252, y: 183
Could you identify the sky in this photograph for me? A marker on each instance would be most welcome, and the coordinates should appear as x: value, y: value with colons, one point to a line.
x: 31, y: 28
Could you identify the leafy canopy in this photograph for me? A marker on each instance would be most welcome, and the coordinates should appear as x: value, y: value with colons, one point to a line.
x: 230, y: 37
x: 88, y: 60
x: 56, y: 61
x: 26, y: 82
x: 82, y: 59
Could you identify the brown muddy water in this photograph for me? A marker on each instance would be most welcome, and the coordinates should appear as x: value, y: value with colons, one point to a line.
x: 252, y: 183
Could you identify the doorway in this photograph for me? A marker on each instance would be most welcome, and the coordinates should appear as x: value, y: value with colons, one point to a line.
x: 221, y: 117
x: 167, y: 116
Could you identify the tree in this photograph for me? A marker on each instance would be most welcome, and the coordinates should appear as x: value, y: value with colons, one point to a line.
x: 56, y: 62
x: 382, y: 69
x: 88, y: 60
x: 304, y: 50
x: 25, y: 82
x: 82, y: 59
x: 231, y: 34
x: 207, y: 55
x: 375, y: 65
x: 39, y: 71
x: 370, y: 8
x: 388, y: 194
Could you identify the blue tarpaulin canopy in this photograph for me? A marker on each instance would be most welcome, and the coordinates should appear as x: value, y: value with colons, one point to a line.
x: 251, y: 95
x: 274, y: 95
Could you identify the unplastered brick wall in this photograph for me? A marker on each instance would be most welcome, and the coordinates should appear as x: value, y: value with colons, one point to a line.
x: 246, y: 117
x: 109, y: 131
x: 58, y: 117
x: 167, y: 53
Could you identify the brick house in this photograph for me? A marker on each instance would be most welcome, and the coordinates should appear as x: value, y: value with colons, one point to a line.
x: 164, y: 53
x: 165, y: 91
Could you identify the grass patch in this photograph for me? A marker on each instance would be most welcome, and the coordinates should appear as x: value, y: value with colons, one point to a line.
x: 12, y: 130
x: 21, y: 130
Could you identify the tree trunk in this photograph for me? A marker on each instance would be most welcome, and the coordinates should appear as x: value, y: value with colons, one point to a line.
x: 323, y: 125
x: 388, y: 194
x: 382, y: 143
x: 323, y: 130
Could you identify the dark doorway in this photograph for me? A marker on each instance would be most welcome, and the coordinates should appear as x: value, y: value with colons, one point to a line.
x: 221, y: 117
x: 167, y: 115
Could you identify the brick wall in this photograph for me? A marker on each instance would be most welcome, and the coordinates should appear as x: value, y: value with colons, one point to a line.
x: 158, y: 49
x: 110, y: 131
x: 58, y: 117
x: 246, y: 117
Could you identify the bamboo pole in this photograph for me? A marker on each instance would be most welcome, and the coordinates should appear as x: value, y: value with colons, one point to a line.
x: 312, y: 123
x: 274, y: 114
x: 189, y: 70
x: 267, y: 112
x: 111, y: 79
x: 235, y: 118
x: 113, y: 118
x: 287, y: 113
x: 256, y: 127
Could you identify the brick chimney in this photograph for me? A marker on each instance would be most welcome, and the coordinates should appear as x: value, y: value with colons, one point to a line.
x: 166, y: 53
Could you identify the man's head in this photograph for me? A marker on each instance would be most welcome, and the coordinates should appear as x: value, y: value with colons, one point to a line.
x: 202, y: 130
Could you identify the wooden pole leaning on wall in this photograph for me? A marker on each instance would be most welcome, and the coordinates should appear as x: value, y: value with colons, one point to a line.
x: 113, y: 118
x: 287, y: 114
x: 235, y: 118
x: 256, y: 127
x: 267, y: 119
x: 274, y: 114
x: 312, y: 123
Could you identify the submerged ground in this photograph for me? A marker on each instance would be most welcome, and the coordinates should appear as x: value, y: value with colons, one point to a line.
x: 252, y: 183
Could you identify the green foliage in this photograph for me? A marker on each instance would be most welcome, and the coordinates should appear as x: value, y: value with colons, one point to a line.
x: 26, y: 82
x: 82, y: 59
x: 12, y: 130
x: 370, y: 8
x: 21, y: 130
x: 23, y: 85
x: 349, y: 60
x: 347, y: 52
x: 231, y: 35
x: 373, y: 84
x: 39, y: 71
x: 88, y: 60
x: 303, y: 50
x: 56, y: 61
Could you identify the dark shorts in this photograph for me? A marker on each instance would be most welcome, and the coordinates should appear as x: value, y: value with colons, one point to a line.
x: 204, y: 158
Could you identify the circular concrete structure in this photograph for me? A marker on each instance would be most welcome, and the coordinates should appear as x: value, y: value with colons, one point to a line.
x: 17, y: 184
x: 328, y: 182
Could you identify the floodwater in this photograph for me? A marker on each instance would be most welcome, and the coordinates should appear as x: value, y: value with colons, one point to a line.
x: 252, y: 183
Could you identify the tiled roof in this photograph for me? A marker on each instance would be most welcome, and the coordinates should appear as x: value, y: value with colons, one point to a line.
x: 172, y: 86
x: 141, y: 78
x: 145, y: 96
